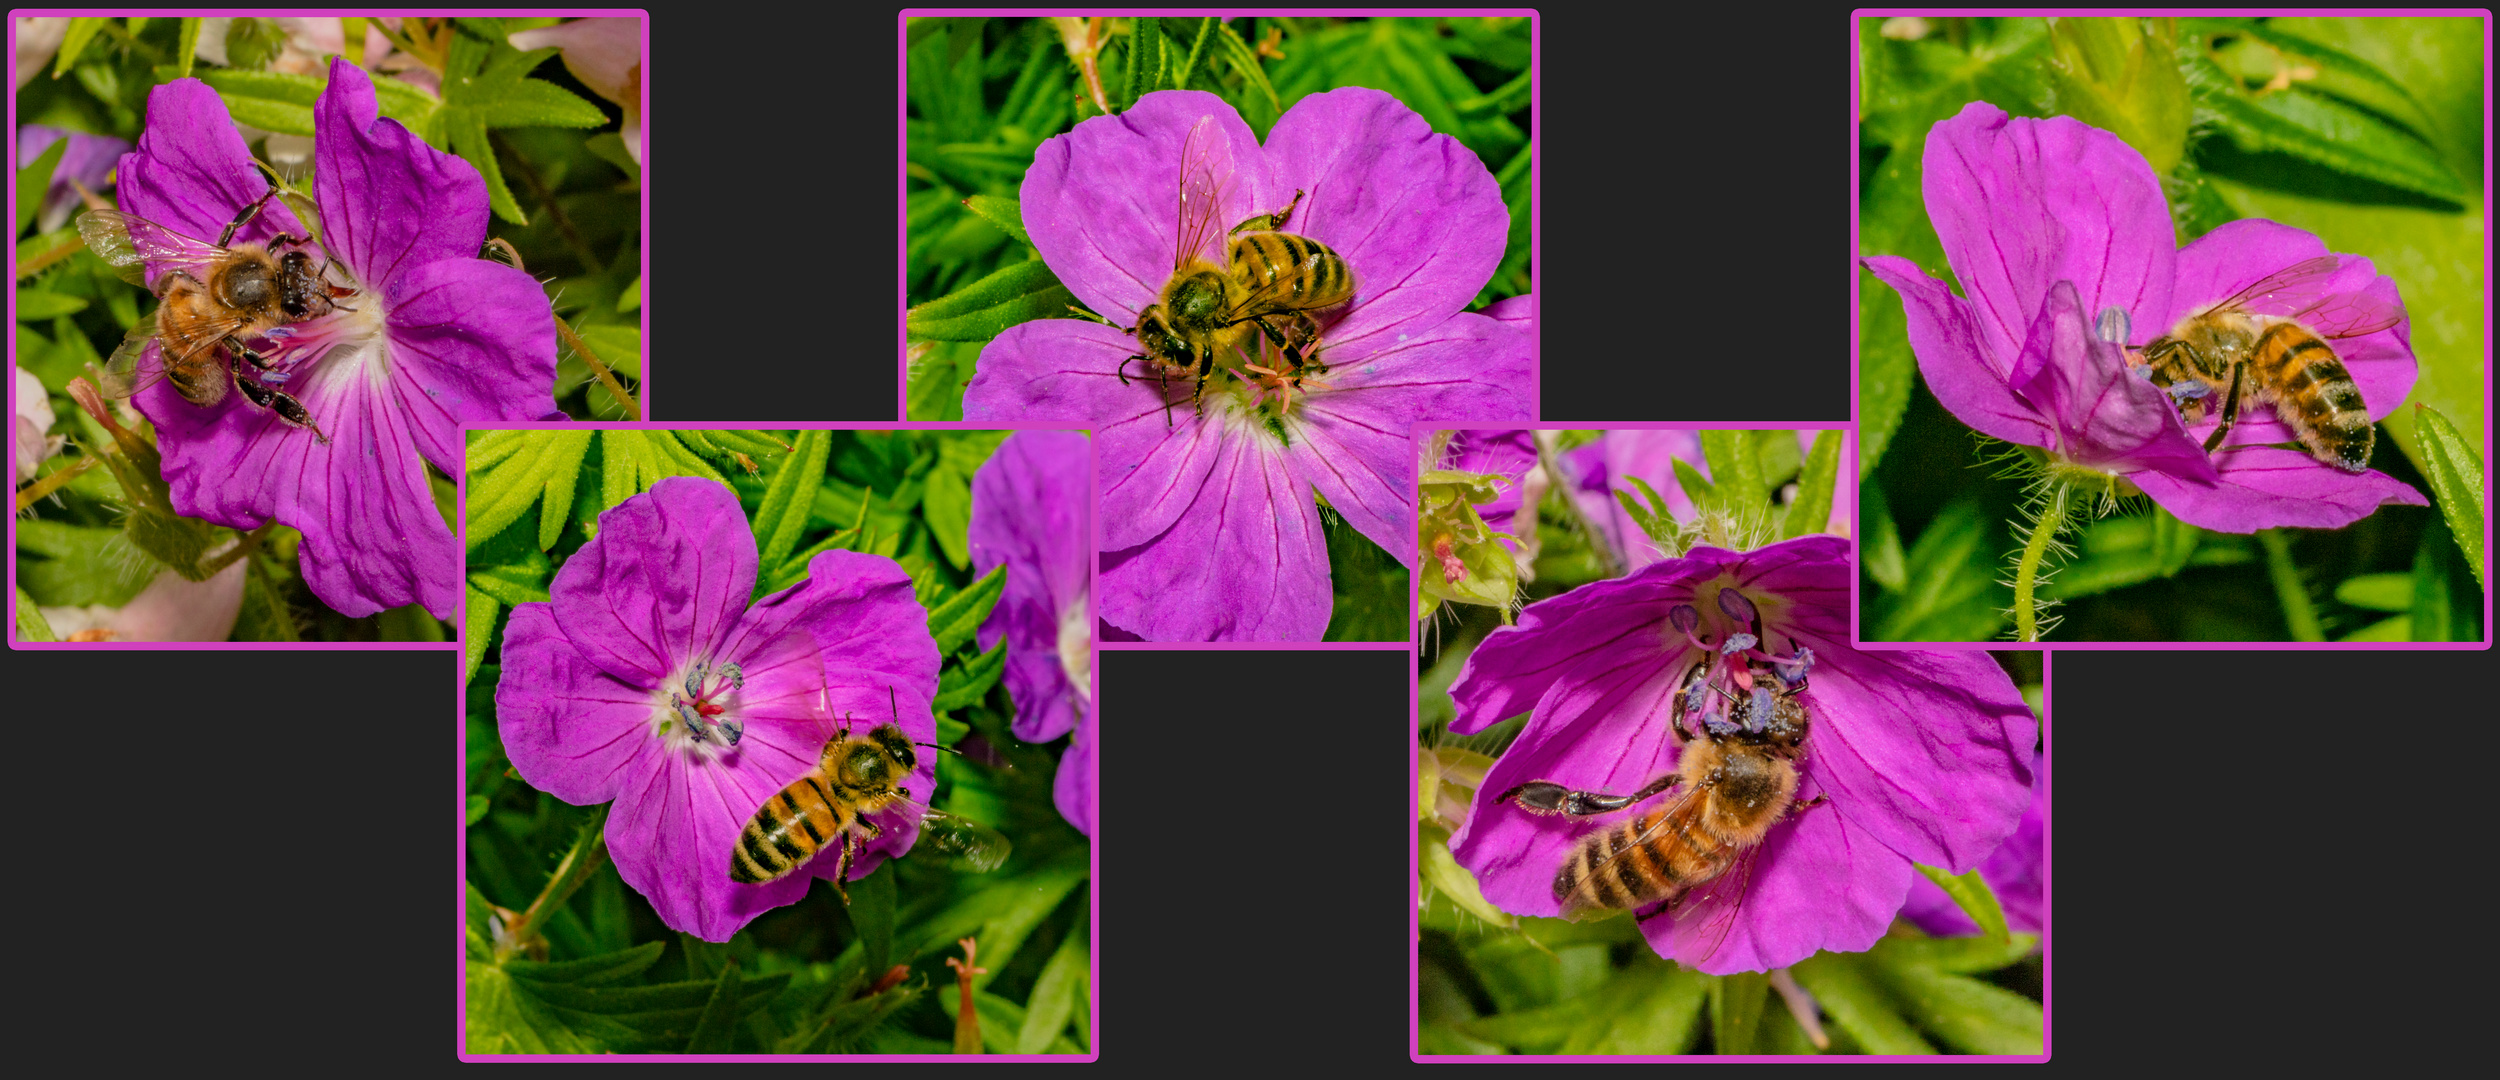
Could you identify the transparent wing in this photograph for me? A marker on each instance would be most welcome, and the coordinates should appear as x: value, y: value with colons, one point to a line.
x: 1678, y: 808
x: 2300, y: 291
x: 1712, y: 906
x: 122, y: 374
x: 130, y: 243
x: 980, y: 847
x: 1206, y: 170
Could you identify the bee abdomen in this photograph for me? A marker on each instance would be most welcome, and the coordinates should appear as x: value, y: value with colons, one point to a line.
x: 1312, y: 275
x: 1630, y: 866
x: 2315, y: 396
x: 787, y: 830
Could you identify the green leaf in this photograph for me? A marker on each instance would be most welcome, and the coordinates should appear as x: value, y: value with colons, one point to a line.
x: 1442, y: 873
x: 499, y: 496
x: 1882, y: 546
x: 478, y: 630
x: 1734, y: 472
x: 964, y: 685
x: 711, y: 1032
x: 1053, y: 999
x: 979, y: 311
x: 74, y: 42
x: 2433, y: 614
x: 468, y: 139
x: 32, y: 182
x: 34, y: 304
x: 30, y: 622
x: 948, y: 504
x: 872, y: 915
x: 2377, y: 592
x: 1974, y: 898
x: 533, y: 103
x: 1817, y: 480
x: 631, y: 298
x: 953, y: 622
x: 1967, y: 1014
x: 782, y: 517
x: 186, y: 47
x: 1959, y: 954
x: 1950, y: 592
x: 1858, y: 1005
x: 2398, y: 628
x: 1736, y: 1004
x: 1696, y: 487
x: 2326, y: 131
x: 1000, y: 211
x: 408, y: 623
x: 1238, y: 56
x: 2454, y: 468
x: 2118, y: 75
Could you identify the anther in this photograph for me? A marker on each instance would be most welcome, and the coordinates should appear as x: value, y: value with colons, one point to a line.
x: 1685, y: 618
x: 1737, y: 643
x: 1736, y: 606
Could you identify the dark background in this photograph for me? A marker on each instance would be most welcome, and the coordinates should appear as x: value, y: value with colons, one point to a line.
x: 2264, y: 854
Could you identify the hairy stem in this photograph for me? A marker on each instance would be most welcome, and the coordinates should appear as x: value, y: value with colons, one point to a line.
x: 590, y: 850
x: 633, y: 411
x: 2027, y: 571
x: 35, y: 492
x: 2297, y: 610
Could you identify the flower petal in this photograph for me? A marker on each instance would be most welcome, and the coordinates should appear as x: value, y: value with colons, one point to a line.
x: 1102, y: 202
x: 1032, y: 512
x: 373, y: 536
x: 2265, y: 487
x: 662, y: 584
x: 1072, y: 791
x: 193, y: 174
x: 1415, y: 213
x: 1243, y: 561
x: 1955, y: 357
x: 1517, y: 665
x: 570, y: 729
x: 389, y: 203
x: 473, y: 341
x: 1820, y: 881
x: 2106, y: 415
x: 676, y: 819
x: 2021, y: 204
x: 1069, y: 369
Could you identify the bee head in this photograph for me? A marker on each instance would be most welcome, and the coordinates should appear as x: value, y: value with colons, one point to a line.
x: 1154, y: 332
x: 303, y: 294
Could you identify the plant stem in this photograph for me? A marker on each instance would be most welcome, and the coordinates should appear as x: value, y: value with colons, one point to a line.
x: 607, y: 378
x: 2297, y: 609
x: 243, y: 545
x: 2027, y: 571
x: 35, y: 492
x: 589, y: 851
x: 41, y: 259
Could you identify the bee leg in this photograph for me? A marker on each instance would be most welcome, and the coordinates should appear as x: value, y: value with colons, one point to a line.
x: 842, y: 869
x: 1547, y: 797
x: 1264, y: 222
x: 249, y: 212
x: 2230, y: 411
x: 279, y: 402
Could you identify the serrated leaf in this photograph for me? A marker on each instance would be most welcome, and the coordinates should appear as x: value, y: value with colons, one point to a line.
x: 979, y: 311
x: 1973, y: 896
x: 2328, y: 132
x: 620, y: 466
x: 500, y: 496
x: 1046, y: 1011
x: 711, y: 1032
x: 953, y: 622
x: 1817, y: 480
x: 1858, y: 1005
x: 30, y: 621
x: 782, y: 516
x: 1000, y: 211
x: 32, y: 181
x: 479, y: 629
x: 2455, y: 470
x: 534, y: 103
x: 960, y: 686
x: 468, y: 139
x: 1965, y: 1013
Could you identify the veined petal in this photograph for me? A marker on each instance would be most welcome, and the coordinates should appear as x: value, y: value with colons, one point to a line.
x: 193, y: 174
x: 474, y: 341
x: 663, y: 583
x: 1102, y: 202
x: 676, y: 820
x: 2264, y: 487
x: 1032, y: 512
x: 1517, y: 665
x: 2106, y: 416
x: 1820, y: 882
x: 570, y: 729
x: 389, y: 203
x: 1956, y: 354
x: 1243, y: 561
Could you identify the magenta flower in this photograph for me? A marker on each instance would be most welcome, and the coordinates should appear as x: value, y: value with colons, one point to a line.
x: 435, y: 337
x: 2049, y: 224
x: 89, y: 160
x: 650, y: 681
x: 1032, y: 511
x: 2013, y: 872
x: 1924, y: 756
x: 1602, y: 468
x: 1209, y: 527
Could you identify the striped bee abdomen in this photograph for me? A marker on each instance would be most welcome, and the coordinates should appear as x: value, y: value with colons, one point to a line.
x: 789, y: 829
x: 2313, y: 395
x: 1291, y: 271
x: 1640, y: 862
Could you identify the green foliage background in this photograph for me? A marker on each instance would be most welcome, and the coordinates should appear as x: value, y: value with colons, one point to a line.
x: 983, y: 94
x: 564, y: 194
x: 614, y: 979
x: 2374, y: 143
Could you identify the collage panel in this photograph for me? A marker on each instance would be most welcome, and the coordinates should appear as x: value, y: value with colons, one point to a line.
x: 1248, y: 253
x: 1666, y: 808
x: 779, y: 741
x: 2197, y: 357
x: 268, y: 270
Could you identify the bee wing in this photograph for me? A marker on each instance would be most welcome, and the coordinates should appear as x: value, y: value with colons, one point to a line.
x: 130, y: 243
x: 1206, y: 170
x: 2305, y: 291
x: 980, y: 847
x: 1682, y: 805
x: 122, y: 374
x: 1710, y: 909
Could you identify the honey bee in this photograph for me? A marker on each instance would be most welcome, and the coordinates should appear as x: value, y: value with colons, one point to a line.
x: 215, y: 297
x: 2244, y: 358
x: 1694, y: 854
x: 857, y: 775
x: 1271, y: 280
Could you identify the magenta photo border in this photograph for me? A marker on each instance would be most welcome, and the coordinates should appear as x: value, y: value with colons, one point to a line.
x: 460, y: 756
x: 459, y: 483
x: 1857, y: 604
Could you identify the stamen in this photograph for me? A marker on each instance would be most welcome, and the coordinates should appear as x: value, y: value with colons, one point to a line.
x: 1736, y: 606
x: 1760, y: 717
x: 1737, y: 643
x: 1685, y: 618
x: 1792, y: 671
